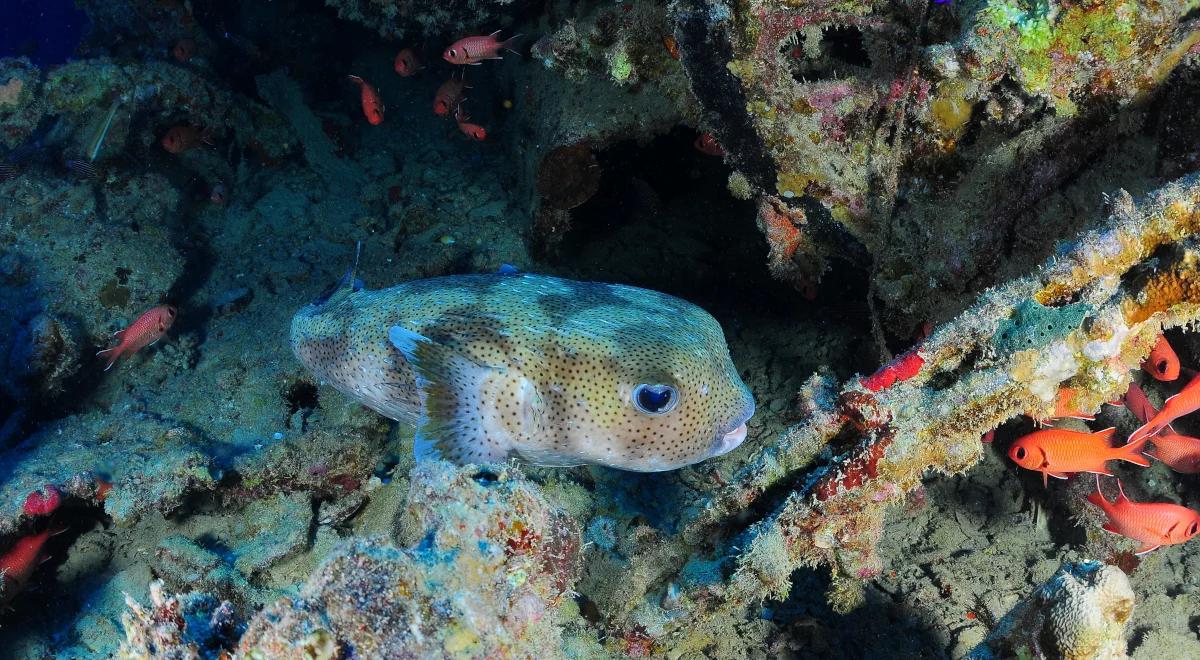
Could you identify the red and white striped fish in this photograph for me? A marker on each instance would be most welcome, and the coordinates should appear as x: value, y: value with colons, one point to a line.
x: 146, y: 330
x: 473, y: 50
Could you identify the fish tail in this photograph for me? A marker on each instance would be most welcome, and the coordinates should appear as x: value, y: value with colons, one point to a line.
x: 1132, y: 452
x: 114, y: 353
x: 1097, y: 497
x: 356, y: 79
x: 508, y: 43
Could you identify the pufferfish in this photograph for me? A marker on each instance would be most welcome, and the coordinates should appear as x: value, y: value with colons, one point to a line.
x: 552, y: 371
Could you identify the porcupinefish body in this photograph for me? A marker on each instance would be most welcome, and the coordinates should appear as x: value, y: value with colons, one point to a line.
x: 554, y: 371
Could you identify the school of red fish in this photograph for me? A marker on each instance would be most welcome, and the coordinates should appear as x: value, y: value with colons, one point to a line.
x: 1060, y: 453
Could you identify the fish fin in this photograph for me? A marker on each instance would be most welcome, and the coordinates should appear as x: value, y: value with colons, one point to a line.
x: 1132, y: 452
x: 494, y: 33
x: 548, y: 458
x: 1109, y: 527
x: 356, y: 79
x: 1058, y: 475
x: 507, y: 44
x: 1145, y: 549
x: 1097, y: 497
x: 1101, y: 472
x: 1121, y: 497
x: 459, y: 418
x: 112, y: 359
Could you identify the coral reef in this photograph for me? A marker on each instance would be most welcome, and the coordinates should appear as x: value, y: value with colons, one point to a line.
x: 932, y: 405
x: 412, y: 19
x: 1079, y: 613
x: 176, y: 627
x: 487, y: 576
x: 912, y: 137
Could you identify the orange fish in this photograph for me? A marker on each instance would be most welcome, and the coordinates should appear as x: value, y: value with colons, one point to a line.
x: 449, y: 96
x: 671, y: 45
x: 179, y: 139
x: 17, y: 565
x: 1058, y: 452
x: 407, y: 63
x: 147, y: 329
x: 707, y: 144
x: 1186, y: 401
x: 1136, y: 402
x: 1162, y: 363
x: 473, y: 131
x: 1152, y: 523
x: 1065, y: 406
x: 372, y: 105
x: 1180, y: 452
x: 473, y: 50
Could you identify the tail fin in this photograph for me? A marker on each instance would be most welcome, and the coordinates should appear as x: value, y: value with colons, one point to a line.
x: 1132, y: 452
x: 115, y: 352
x: 1097, y: 497
x: 507, y: 43
x: 356, y: 79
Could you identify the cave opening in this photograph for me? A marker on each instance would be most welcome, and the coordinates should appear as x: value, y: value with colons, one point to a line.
x: 832, y: 52
x: 663, y: 218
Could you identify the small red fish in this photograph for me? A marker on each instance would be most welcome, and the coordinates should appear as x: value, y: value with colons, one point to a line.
x: 1066, y: 407
x: 372, y: 105
x: 671, y: 45
x: 1152, y: 523
x: 1058, y: 452
x: 147, y: 329
x: 18, y: 564
x: 179, y: 139
x: 1162, y: 363
x: 448, y: 97
x: 473, y: 131
x: 707, y: 144
x: 1185, y: 402
x: 473, y: 50
x: 1180, y: 452
x: 1136, y: 402
x: 184, y: 50
x: 407, y: 63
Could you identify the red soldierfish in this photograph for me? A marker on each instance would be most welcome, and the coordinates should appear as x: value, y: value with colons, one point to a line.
x: 182, y: 138
x: 372, y: 105
x: 1187, y: 401
x: 407, y: 63
x: 1058, y: 452
x: 17, y: 565
x: 1137, y: 403
x: 448, y: 97
x: 473, y: 131
x: 1162, y: 363
x: 707, y: 144
x: 147, y: 329
x: 1151, y: 523
x: 1180, y: 452
x: 473, y: 50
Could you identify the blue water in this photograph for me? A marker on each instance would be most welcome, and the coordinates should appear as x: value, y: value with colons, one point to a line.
x: 45, y: 31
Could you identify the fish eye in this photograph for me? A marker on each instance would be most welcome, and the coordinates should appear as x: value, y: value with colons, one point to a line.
x: 1162, y: 366
x: 1020, y: 453
x: 655, y: 399
x: 453, y: 53
x: 1192, y: 530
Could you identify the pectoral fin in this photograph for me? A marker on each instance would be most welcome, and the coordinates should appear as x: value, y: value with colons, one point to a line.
x: 463, y: 403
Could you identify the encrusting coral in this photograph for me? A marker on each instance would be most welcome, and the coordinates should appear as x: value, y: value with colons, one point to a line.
x: 1079, y: 613
x: 927, y: 409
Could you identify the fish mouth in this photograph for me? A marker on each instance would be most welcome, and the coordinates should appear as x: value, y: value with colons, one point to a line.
x: 728, y: 442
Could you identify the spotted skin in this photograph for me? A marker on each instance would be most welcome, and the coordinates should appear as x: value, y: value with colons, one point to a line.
x: 488, y: 367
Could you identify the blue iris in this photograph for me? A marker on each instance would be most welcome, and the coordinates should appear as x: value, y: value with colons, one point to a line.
x: 654, y: 399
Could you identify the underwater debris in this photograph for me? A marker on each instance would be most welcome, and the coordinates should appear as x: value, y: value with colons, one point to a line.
x: 1079, y: 613
x: 911, y: 428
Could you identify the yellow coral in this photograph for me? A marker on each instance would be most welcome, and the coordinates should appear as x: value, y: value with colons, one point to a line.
x: 1162, y: 292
